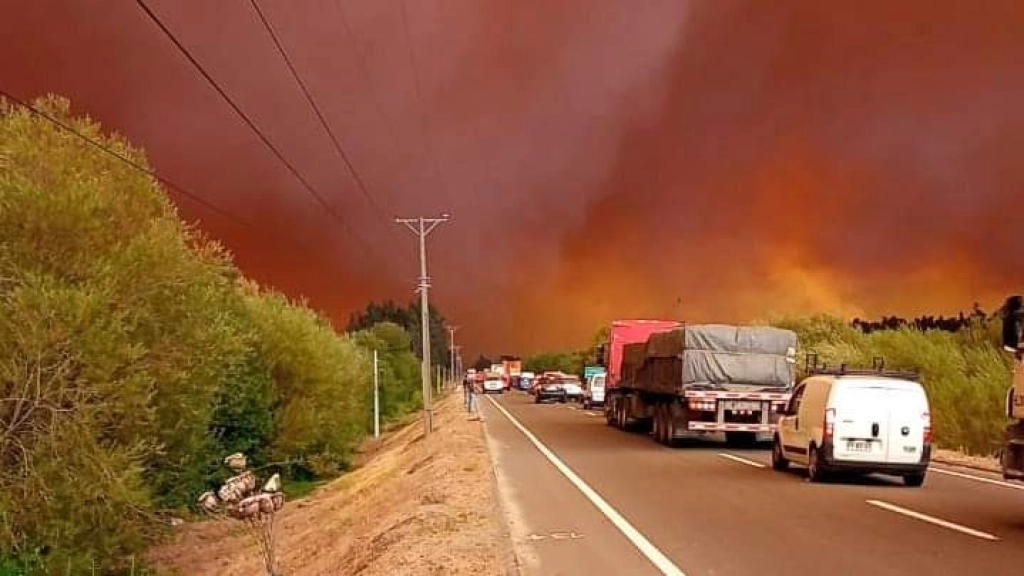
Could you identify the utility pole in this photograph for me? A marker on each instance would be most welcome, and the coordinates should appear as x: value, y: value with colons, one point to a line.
x: 376, y: 397
x: 451, y: 349
x: 456, y: 365
x: 422, y: 227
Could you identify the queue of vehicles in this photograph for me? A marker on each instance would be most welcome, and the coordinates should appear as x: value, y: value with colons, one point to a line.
x: 678, y: 381
x: 739, y: 384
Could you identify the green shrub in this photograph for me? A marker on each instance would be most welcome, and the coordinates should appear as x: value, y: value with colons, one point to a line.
x: 135, y: 360
x: 965, y: 374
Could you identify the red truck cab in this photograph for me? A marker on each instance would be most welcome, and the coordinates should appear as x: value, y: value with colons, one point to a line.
x: 629, y: 332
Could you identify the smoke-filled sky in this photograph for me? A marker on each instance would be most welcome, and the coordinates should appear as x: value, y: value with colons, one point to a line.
x: 701, y: 160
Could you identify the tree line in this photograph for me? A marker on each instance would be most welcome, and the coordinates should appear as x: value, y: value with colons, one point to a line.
x: 136, y: 356
x: 409, y: 318
x: 927, y: 322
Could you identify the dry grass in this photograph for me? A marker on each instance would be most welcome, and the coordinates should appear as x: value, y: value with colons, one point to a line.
x: 417, y: 506
x: 954, y: 458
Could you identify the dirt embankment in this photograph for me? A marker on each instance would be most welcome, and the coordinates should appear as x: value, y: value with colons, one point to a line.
x: 417, y: 506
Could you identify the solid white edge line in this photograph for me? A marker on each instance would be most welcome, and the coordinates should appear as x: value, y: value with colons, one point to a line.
x: 742, y: 460
x: 932, y: 520
x: 976, y: 478
x: 656, y: 557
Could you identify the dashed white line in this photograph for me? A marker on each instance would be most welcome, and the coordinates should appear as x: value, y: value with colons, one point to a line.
x: 932, y: 520
x: 741, y: 460
x: 976, y: 478
x: 652, y: 553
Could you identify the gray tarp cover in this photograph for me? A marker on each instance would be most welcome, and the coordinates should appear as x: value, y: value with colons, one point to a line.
x: 720, y: 356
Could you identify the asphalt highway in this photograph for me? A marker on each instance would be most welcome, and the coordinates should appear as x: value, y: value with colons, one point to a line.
x: 585, y: 498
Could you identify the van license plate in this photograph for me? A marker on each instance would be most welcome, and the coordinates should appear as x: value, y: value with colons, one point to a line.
x: 858, y: 446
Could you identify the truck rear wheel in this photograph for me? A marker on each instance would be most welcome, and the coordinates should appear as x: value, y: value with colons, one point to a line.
x: 668, y: 426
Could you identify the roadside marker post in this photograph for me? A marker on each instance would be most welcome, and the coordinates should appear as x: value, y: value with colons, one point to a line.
x: 376, y: 396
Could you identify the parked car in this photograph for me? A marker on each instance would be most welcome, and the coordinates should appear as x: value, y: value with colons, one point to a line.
x: 548, y: 389
x: 573, y: 388
x: 858, y: 422
x: 494, y: 385
x: 593, y: 393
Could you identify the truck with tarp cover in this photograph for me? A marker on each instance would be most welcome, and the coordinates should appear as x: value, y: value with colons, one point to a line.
x: 693, y: 381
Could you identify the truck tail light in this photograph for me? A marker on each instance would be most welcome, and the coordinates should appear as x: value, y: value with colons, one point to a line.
x: 830, y: 424
x: 702, y: 405
x: 927, y: 427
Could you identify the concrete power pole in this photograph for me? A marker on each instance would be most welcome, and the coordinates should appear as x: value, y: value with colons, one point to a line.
x: 451, y: 350
x: 457, y: 371
x: 422, y: 227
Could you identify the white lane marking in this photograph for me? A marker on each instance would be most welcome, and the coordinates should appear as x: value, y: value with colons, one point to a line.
x: 932, y: 520
x: 591, y: 414
x: 976, y: 478
x: 741, y: 460
x: 632, y: 534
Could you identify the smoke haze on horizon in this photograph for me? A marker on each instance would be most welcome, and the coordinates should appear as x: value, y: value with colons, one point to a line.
x: 708, y: 161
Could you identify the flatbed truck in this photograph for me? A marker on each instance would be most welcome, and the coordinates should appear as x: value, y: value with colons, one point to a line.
x: 698, y: 381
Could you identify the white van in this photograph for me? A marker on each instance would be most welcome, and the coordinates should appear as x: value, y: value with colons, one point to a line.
x: 860, y: 423
x: 594, y: 394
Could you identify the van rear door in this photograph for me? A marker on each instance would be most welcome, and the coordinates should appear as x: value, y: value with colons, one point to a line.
x: 879, y: 421
x: 861, y: 429
x: 908, y: 415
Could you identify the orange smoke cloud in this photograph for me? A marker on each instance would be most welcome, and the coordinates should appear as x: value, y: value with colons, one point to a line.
x: 807, y: 160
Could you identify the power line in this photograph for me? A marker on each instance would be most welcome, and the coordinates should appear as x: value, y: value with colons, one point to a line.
x: 148, y: 171
x: 419, y: 99
x: 57, y: 122
x: 364, y: 67
x: 266, y: 141
x: 312, y: 103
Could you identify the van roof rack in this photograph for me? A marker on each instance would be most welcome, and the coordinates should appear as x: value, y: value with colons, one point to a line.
x: 814, y: 368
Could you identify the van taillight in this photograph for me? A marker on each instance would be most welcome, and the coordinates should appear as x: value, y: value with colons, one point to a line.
x: 927, y: 427
x: 830, y: 424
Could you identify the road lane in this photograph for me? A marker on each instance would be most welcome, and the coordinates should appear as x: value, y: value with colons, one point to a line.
x: 713, y: 515
x: 555, y: 529
x: 635, y: 537
x: 976, y: 499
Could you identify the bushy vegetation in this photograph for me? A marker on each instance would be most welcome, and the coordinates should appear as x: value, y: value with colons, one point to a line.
x: 965, y: 372
x: 565, y: 362
x: 571, y: 362
x: 409, y: 318
x: 135, y: 357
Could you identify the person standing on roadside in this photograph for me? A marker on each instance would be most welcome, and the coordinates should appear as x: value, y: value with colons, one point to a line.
x: 475, y: 389
x: 466, y: 391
